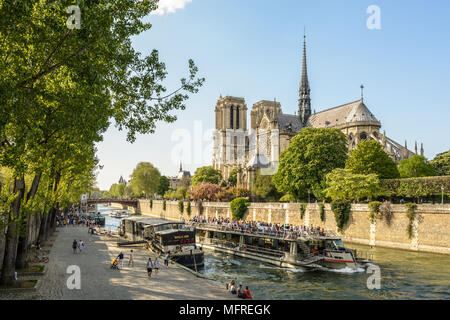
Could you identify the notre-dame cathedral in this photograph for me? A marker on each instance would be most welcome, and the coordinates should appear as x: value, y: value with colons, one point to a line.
x: 271, y: 131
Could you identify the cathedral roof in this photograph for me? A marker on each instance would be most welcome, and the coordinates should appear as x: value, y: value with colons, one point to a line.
x: 355, y: 111
x: 286, y: 121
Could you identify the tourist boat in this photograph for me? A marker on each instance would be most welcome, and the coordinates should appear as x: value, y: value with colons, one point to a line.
x: 163, y: 236
x: 283, y: 249
x: 98, y: 219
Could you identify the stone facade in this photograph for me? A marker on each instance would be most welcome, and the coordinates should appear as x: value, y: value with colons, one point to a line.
x: 431, y: 231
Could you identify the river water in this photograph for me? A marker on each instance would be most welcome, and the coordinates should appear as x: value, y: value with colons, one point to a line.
x: 404, y: 275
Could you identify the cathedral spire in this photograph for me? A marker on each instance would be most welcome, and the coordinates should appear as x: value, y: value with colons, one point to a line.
x: 304, y: 100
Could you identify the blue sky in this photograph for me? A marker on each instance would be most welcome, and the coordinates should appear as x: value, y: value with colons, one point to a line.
x: 252, y: 49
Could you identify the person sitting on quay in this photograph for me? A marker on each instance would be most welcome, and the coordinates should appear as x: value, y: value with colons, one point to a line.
x: 247, y: 293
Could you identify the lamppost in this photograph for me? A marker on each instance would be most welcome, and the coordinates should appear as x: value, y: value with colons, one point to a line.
x: 442, y: 190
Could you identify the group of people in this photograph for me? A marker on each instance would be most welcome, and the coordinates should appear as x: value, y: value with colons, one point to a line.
x: 117, y: 263
x: 77, y: 245
x: 289, y: 230
x: 239, y: 291
x: 155, y: 264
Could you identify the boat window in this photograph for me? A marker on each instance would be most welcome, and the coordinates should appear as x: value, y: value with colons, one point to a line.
x: 338, y: 244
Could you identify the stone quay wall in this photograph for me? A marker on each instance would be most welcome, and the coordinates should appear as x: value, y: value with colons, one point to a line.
x: 431, y: 227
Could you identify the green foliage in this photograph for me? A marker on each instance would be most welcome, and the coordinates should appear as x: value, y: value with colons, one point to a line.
x: 312, y: 153
x: 374, y: 212
x: 265, y: 188
x: 232, y: 179
x: 181, y: 206
x: 322, y: 212
x: 370, y: 158
x: 414, y: 167
x: 163, y: 186
x: 386, y: 212
x: 418, y: 187
x: 117, y: 190
x: 287, y: 198
x: 206, y: 174
x: 238, y: 208
x: 411, y: 215
x: 345, y: 185
x: 145, y: 179
x: 441, y: 163
x: 341, y: 210
x: 188, y: 208
x: 302, y: 210
x: 164, y: 205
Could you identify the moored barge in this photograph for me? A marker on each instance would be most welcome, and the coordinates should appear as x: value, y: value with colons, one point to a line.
x: 283, y: 249
x: 165, y: 236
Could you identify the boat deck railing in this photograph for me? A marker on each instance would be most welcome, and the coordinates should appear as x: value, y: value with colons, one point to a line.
x: 244, y: 247
x: 282, y: 234
x: 363, y: 255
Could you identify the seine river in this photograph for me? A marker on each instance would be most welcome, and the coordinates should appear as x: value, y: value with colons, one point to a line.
x: 404, y: 275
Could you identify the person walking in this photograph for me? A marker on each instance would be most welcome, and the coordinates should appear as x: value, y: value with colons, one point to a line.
x: 120, y: 256
x: 81, y: 246
x: 166, y: 259
x: 74, y: 245
x: 156, y: 266
x: 149, y: 267
x: 131, y: 261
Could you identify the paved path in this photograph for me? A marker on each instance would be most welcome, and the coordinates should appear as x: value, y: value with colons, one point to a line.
x: 99, y: 281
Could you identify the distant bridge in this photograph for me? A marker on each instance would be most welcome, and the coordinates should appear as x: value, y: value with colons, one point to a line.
x: 128, y: 202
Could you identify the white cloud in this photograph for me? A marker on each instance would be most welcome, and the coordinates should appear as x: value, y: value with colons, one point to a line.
x: 170, y: 6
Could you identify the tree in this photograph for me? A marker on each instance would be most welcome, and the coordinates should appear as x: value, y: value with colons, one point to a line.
x: 265, y: 188
x: 163, y: 186
x: 205, y: 191
x: 414, y: 167
x: 58, y: 91
x: 312, y: 153
x: 441, y: 163
x: 145, y: 179
x: 206, y: 174
x: 344, y: 185
x: 369, y: 157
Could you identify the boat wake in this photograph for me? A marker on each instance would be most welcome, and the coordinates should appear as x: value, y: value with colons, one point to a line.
x: 346, y: 270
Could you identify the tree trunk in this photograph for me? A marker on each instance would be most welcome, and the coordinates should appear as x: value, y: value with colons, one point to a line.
x: 22, y: 249
x: 9, y: 260
x: 51, y: 224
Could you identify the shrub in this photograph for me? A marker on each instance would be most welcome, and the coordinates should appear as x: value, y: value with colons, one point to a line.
x: 322, y: 211
x: 302, y: 210
x: 411, y: 215
x: 238, y: 208
x: 287, y: 198
x: 341, y: 210
x: 181, y: 206
x: 374, y: 212
x: 188, y: 208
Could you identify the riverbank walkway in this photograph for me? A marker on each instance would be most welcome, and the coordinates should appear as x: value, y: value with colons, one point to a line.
x: 99, y: 281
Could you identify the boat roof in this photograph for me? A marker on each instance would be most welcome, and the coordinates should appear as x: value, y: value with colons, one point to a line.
x: 151, y: 221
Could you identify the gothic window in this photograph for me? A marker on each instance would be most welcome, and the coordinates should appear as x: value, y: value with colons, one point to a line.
x: 231, y: 117
x: 375, y: 134
x: 237, y: 117
x: 363, y: 136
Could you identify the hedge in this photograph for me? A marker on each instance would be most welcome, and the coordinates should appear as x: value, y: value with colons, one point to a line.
x: 417, y: 187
